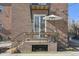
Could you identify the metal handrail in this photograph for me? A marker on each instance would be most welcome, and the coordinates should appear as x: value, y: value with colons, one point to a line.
x: 19, y: 35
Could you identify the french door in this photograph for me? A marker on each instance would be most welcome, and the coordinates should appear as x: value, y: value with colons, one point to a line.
x: 39, y: 25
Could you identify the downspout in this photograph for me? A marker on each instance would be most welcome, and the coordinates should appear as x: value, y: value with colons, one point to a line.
x: 31, y: 15
x: 48, y: 9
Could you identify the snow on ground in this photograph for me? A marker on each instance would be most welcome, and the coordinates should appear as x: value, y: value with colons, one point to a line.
x: 5, y: 44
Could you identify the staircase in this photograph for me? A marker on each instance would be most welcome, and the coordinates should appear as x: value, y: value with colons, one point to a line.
x: 24, y: 37
x: 62, y: 41
x: 62, y: 38
x: 17, y: 40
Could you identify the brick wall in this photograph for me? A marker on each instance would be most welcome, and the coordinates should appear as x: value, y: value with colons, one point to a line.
x: 21, y: 19
x: 60, y: 9
x: 5, y: 17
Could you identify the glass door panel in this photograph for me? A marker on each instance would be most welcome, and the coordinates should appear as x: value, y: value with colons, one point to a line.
x: 39, y: 26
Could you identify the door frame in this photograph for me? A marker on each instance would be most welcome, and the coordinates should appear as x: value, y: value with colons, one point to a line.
x: 39, y: 22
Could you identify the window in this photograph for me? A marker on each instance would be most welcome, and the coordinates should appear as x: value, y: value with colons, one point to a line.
x: 39, y: 3
x: 39, y: 48
x: 39, y: 25
x: 34, y: 3
x: 1, y: 8
x: 0, y: 27
x: 42, y: 3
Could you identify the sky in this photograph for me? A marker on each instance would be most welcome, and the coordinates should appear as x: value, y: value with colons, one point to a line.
x: 73, y: 11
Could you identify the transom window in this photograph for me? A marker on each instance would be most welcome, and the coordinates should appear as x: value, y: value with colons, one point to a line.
x: 39, y: 25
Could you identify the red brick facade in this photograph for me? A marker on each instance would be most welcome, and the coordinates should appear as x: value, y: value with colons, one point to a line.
x: 17, y: 18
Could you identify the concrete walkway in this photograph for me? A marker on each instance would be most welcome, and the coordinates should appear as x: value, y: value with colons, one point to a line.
x: 65, y: 53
